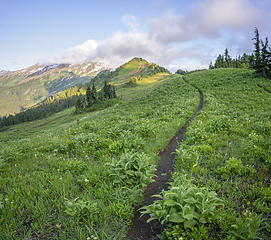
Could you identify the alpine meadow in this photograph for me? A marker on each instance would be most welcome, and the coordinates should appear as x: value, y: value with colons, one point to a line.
x: 161, y: 131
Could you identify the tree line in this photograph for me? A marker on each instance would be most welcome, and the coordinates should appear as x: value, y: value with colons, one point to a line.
x: 226, y: 61
x: 48, y: 107
x: 262, y: 53
x: 40, y: 111
x: 93, y: 97
x: 259, y: 60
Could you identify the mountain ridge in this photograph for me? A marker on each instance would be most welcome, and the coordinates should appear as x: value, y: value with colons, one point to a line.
x: 27, y: 87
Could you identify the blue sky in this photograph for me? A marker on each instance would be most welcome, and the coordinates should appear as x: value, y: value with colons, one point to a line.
x: 172, y: 33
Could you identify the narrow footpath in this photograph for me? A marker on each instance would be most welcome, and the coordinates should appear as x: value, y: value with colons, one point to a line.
x: 139, y: 228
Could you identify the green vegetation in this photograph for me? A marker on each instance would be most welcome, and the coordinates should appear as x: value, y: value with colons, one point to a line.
x: 260, y: 60
x: 94, y: 100
x: 226, y: 151
x: 225, y: 61
x: 184, y: 204
x: 262, y: 54
x: 76, y: 95
x: 27, y: 87
x: 137, y: 68
x: 46, y: 108
x: 80, y: 176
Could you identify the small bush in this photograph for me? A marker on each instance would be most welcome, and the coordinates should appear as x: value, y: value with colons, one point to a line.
x: 235, y: 166
x: 132, y: 169
x: 247, y: 227
x: 186, y: 205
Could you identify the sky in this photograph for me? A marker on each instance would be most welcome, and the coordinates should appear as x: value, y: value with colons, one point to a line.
x: 172, y: 33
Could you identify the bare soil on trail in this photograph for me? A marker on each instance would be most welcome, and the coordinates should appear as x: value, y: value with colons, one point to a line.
x: 139, y: 229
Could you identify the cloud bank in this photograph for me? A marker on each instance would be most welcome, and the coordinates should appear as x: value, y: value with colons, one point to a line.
x: 185, y: 38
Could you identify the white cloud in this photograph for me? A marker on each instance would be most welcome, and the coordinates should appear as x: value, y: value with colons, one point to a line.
x: 77, y: 54
x: 119, y: 48
x: 207, y: 19
x: 165, y: 41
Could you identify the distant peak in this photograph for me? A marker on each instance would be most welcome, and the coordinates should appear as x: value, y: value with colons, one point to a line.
x: 137, y: 59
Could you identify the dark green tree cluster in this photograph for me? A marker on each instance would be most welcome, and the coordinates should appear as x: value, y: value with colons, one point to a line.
x: 93, y: 97
x: 225, y: 61
x: 180, y: 71
x: 40, y: 111
x: 157, y: 69
x: 262, y: 52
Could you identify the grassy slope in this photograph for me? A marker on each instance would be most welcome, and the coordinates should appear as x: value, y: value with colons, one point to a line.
x: 136, y: 67
x: 45, y: 167
x: 18, y: 90
x: 227, y: 149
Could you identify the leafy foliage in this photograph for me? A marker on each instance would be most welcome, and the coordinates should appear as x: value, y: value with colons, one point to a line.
x: 53, y: 169
x: 247, y: 227
x: 186, y: 205
x: 132, y: 169
x: 234, y: 166
x: 80, y: 208
x: 227, y: 150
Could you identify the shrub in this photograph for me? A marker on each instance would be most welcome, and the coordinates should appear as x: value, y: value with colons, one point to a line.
x: 80, y: 208
x: 132, y: 169
x: 247, y: 227
x: 235, y: 166
x: 186, y: 205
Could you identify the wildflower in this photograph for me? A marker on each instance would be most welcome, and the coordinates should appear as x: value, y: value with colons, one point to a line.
x: 86, y: 180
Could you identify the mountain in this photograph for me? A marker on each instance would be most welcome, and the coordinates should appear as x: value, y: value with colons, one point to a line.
x: 26, y: 87
x: 136, y: 68
x: 3, y: 72
x: 31, y: 86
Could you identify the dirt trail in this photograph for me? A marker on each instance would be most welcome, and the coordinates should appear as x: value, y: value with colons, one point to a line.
x: 139, y: 228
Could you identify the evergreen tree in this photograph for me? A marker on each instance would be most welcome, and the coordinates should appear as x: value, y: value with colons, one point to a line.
x: 264, y: 58
x: 257, y: 53
x: 78, y: 105
x: 88, y: 96
x: 211, y: 65
x: 94, y: 96
x: 269, y: 61
x: 114, y: 92
x: 107, y: 90
x: 227, y: 58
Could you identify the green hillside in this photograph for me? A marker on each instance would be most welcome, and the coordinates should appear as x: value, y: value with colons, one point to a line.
x: 137, y: 67
x: 224, y: 162
x: 80, y: 176
x: 24, y: 88
x: 76, y: 161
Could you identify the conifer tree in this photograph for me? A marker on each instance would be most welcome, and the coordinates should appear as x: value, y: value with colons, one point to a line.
x: 78, y: 105
x: 88, y: 96
x: 211, y: 65
x: 94, y: 94
x: 257, y: 53
x: 227, y: 56
x: 264, y: 58
x: 114, y: 92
